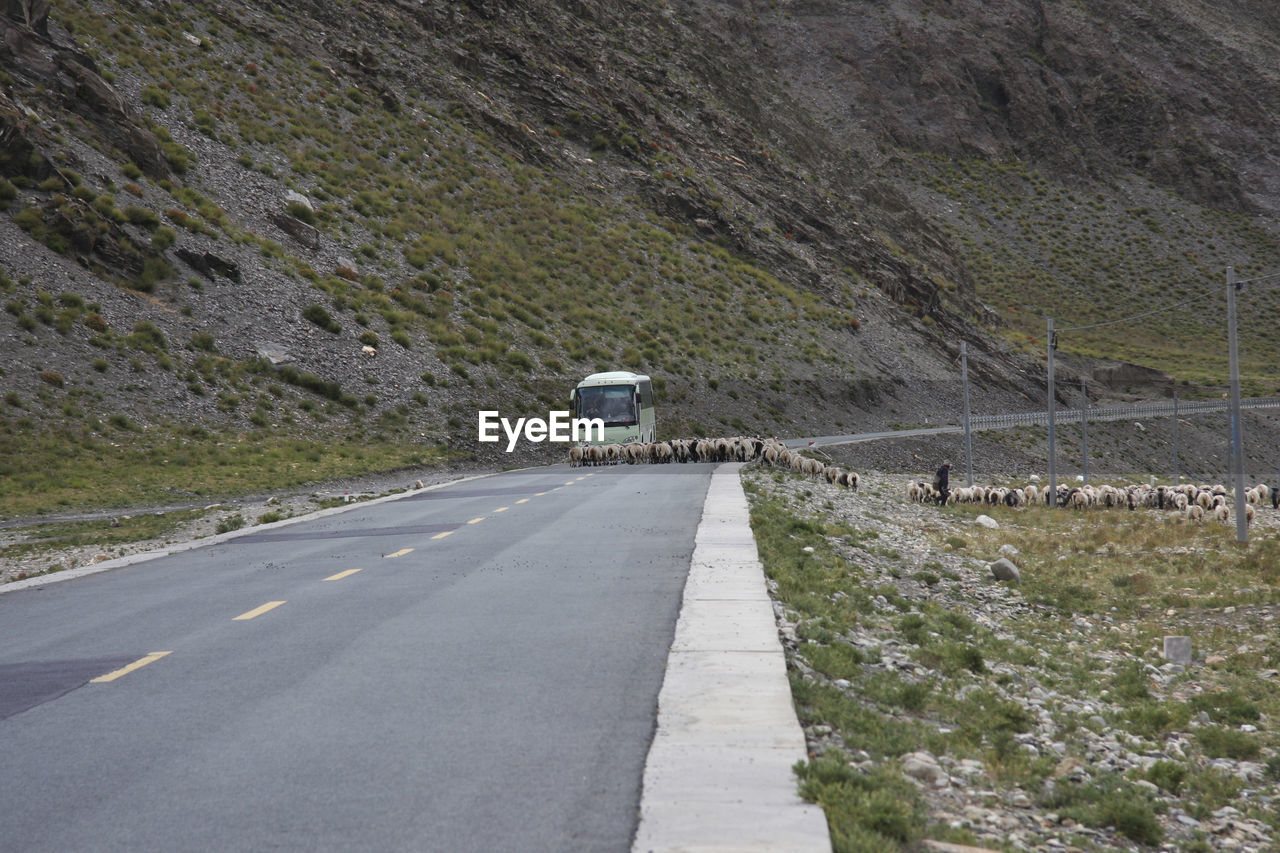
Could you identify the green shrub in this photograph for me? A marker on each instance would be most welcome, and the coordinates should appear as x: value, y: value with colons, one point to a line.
x: 163, y: 238
x: 838, y: 660
x: 317, y: 314
x: 142, y: 216
x: 1168, y: 775
x: 30, y: 220
x: 154, y: 96
x: 230, y: 523
x: 879, y: 810
x: 154, y: 271
x: 1227, y: 743
x: 301, y: 211
x: 147, y: 337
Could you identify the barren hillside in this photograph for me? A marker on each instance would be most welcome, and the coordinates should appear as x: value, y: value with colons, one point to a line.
x: 789, y: 213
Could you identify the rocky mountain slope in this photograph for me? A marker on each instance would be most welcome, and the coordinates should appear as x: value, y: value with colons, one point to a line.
x: 378, y: 217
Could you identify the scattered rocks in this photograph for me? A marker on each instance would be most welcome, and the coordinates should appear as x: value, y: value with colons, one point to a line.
x: 1088, y: 735
x: 1177, y: 650
x: 1005, y: 570
x: 923, y: 767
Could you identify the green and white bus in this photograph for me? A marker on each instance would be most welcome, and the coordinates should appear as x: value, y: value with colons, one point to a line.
x: 623, y: 400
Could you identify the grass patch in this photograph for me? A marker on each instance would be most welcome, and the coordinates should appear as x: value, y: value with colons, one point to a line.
x: 101, y: 533
x: 866, y: 811
x: 49, y: 470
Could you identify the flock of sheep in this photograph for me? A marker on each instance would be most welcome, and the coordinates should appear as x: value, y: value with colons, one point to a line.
x: 768, y: 451
x: 1195, y: 503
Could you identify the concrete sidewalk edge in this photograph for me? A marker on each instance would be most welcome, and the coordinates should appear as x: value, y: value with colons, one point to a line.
x: 718, y: 776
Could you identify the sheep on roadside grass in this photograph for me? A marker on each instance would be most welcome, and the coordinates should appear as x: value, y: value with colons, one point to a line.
x: 840, y: 477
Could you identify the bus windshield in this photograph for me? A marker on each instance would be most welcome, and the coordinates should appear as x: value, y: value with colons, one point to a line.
x: 614, y: 404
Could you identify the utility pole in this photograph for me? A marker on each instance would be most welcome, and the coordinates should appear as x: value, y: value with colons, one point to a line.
x: 1053, y: 462
x: 1237, y: 452
x: 1177, y: 478
x: 1084, y: 431
x: 968, y: 436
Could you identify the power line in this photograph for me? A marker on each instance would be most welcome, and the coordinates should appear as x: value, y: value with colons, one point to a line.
x: 1266, y: 277
x: 1141, y: 316
x: 1208, y: 295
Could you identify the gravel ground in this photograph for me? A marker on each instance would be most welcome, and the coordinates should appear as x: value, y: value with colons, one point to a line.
x: 1080, y: 731
x: 250, y: 508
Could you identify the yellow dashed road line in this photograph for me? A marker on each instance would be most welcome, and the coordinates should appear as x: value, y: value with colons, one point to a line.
x: 399, y: 553
x: 523, y: 501
x: 442, y: 535
x: 258, y: 611
x: 501, y: 509
x: 340, y: 575
x: 125, y: 670
x: 476, y: 520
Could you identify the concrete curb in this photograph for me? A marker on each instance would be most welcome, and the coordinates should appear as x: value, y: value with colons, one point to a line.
x: 718, y: 776
x: 120, y: 562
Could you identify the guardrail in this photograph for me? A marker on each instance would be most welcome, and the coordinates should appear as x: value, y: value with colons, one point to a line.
x: 1061, y: 416
x: 1116, y: 413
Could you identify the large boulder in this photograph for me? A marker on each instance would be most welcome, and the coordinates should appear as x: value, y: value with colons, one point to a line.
x: 1004, y: 570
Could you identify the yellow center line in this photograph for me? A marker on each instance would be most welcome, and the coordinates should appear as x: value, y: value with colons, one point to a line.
x: 340, y: 575
x: 579, y: 480
x: 501, y: 509
x: 539, y: 494
x: 523, y: 501
x: 399, y: 553
x: 476, y: 520
x: 570, y: 483
x: 125, y: 670
x: 257, y: 611
x: 442, y: 535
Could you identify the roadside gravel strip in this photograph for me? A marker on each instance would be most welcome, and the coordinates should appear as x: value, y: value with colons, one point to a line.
x: 718, y: 776
x: 119, y: 562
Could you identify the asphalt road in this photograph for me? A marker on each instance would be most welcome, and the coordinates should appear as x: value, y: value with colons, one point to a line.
x: 474, y: 668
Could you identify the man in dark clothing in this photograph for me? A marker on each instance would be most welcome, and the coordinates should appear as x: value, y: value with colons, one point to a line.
x: 940, y: 480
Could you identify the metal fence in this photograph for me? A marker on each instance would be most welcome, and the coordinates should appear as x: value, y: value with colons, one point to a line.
x: 1117, y: 413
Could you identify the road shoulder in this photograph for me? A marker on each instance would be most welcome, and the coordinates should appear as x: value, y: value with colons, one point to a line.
x: 718, y: 774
